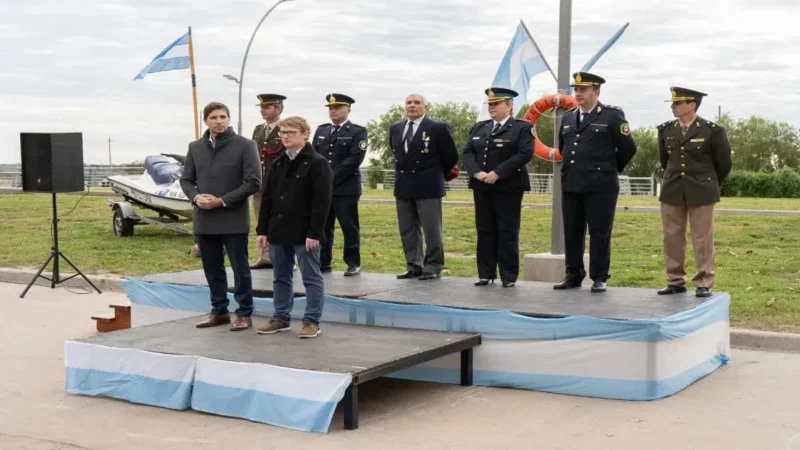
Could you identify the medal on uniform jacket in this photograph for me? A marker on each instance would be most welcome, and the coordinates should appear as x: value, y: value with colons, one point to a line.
x: 425, y: 140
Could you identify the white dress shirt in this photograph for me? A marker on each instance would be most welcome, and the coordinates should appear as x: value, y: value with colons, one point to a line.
x: 416, y: 123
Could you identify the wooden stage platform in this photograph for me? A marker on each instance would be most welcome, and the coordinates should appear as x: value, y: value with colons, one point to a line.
x: 623, y: 344
x: 364, y: 352
x: 533, y: 299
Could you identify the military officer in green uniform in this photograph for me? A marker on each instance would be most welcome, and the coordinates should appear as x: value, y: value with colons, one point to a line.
x: 696, y: 156
x: 268, y: 141
x: 344, y: 145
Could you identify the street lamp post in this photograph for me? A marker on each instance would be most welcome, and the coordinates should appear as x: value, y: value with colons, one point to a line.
x: 236, y: 80
x: 244, y: 61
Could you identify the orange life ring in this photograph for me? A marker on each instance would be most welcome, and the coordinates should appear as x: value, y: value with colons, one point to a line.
x: 536, y: 110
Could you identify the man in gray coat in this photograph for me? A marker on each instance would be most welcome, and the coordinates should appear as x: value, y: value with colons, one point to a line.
x: 221, y: 172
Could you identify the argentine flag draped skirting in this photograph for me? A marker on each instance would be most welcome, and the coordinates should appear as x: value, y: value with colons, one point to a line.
x: 584, y: 356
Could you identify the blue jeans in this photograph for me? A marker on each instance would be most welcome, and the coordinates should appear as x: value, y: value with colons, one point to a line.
x: 283, y: 257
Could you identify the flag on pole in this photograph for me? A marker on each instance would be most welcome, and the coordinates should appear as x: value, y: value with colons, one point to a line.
x: 604, y: 48
x: 178, y: 55
x: 174, y: 57
x: 521, y: 62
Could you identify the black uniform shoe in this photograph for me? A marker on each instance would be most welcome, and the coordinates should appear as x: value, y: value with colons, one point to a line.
x: 567, y: 284
x: 703, y: 292
x: 429, y: 276
x: 408, y: 274
x: 672, y: 289
x: 507, y: 284
x: 352, y: 271
x: 483, y: 282
x: 325, y: 269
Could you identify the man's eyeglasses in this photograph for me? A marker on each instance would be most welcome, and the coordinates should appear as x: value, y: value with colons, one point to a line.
x: 289, y: 133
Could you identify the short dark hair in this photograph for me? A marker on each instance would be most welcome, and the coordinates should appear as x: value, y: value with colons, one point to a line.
x: 697, y: 102
x: 213, y: 106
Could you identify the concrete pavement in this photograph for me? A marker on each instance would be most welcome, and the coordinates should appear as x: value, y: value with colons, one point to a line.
x: 750, y: 404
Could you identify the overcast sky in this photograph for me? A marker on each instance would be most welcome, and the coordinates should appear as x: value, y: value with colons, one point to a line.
x: 71, y: 68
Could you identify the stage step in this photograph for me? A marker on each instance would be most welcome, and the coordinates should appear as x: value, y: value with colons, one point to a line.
x: 121, y: 319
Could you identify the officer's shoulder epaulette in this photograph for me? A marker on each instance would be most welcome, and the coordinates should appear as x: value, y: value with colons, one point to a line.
x: 616, y: 109
x: 356, y: 126
x: 326, y: 124
x: 523, y: 122
x: 714, y: 127
x: 665, y: 125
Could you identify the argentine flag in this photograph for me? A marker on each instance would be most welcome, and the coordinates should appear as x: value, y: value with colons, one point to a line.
x: 174, y: 57
x: 521, y: 62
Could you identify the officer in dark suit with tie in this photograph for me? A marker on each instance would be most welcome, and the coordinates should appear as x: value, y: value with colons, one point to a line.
x: 495, y: 157
x: 424, y: 153
x: 596, y: 144
x: 344, y: 146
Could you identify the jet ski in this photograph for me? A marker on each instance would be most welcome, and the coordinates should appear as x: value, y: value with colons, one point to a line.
x: 158, y: 187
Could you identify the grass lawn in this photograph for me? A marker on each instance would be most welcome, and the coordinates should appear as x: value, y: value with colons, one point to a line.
x: 626, y: 200
x: 758, y: 258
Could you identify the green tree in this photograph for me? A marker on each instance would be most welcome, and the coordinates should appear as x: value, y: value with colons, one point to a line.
x: 645, y: 162
x: 460, y: 116
x: 762, y: 145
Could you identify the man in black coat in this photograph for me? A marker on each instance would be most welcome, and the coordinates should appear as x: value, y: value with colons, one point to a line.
x: 596, y: 145
x: 294, y: 208
x: 424, y: 153
x: 495, y: 157
x: 343, y: 144
x: 221, y: 171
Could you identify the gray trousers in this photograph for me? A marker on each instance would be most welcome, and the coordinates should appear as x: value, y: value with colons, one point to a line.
x: 414, y: 217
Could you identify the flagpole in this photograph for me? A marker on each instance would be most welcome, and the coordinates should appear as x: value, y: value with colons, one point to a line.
x: 194, y: 87
x: 564, y: 41
x: 538, y: 50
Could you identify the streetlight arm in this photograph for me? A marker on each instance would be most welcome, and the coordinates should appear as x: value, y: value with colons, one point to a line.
x: 244, y: 60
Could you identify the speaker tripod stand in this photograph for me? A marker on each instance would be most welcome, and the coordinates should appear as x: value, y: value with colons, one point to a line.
x: 54, y: 255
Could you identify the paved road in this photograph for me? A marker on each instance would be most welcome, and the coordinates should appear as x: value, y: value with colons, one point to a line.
x: 751, y: 404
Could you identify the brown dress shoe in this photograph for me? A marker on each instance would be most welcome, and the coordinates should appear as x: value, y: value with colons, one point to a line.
x: 214, y: 321
x: 309, y: 330
x: 242, y: 323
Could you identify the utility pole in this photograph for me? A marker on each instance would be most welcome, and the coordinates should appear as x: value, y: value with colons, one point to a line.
x: 109, y: 151
x: 564, y: 40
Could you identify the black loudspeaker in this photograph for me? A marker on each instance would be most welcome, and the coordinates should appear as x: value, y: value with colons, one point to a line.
x: 52, y: 162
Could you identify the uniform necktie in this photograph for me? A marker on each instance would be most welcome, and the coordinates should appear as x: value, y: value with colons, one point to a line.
x: 684, y: 129
x: 335, y: 131
x: 409, y: 134
x: 496, y: 127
